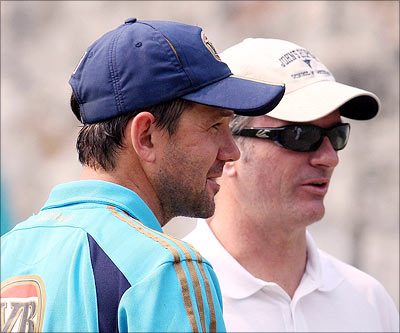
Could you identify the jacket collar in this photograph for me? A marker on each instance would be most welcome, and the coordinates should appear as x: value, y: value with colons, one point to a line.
x: 101, y: 192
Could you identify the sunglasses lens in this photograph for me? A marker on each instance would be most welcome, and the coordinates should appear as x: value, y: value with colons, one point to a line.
x: 338, y: 136
x: 300, y: 138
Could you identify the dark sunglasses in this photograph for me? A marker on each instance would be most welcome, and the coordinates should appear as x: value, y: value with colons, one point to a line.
x: 300, y: 137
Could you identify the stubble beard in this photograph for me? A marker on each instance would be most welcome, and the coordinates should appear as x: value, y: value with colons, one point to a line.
x: 178, y: 189
x: 181, y: 199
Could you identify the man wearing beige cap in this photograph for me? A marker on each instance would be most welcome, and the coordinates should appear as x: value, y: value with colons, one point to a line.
x: 272, y: 275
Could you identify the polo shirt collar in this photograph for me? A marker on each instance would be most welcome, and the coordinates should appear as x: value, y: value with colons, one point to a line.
x: 320, y: 267
x: 101, y: 192
x: 319, y: 273
x: 236, y: 282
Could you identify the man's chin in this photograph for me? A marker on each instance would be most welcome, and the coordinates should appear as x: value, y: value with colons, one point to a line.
x: 315, y: 213
x: 201, y: 206
x: 306, y: 212
x: 206, y: 212
x: 206, y: 209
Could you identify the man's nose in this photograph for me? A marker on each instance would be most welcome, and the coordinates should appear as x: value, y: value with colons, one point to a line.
x: 325, y: 155
x: 229, y: 151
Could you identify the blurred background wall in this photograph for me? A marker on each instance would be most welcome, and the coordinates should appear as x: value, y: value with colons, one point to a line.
x: 43, y: 41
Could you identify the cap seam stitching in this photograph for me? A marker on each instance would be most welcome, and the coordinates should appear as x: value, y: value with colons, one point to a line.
x: 172, y: 48
x: 114, y: 75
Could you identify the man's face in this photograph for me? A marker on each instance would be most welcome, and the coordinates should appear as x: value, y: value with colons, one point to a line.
x: 192, y: 159
x: 284, y: 186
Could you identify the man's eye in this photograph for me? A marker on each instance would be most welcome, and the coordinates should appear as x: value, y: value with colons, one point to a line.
x: 217, y: 125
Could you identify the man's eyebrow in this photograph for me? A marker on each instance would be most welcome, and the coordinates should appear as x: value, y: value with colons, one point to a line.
x: 225, y: 113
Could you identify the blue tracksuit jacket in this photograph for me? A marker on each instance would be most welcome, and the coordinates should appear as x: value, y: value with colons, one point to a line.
x: 95, y: 259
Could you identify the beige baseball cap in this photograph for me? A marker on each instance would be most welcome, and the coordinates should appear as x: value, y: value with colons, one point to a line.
x: 311, y: 90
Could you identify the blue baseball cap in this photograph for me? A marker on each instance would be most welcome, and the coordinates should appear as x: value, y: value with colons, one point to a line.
x: 144, y: 63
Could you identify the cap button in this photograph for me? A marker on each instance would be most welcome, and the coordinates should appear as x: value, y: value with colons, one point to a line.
x: 130, y: 20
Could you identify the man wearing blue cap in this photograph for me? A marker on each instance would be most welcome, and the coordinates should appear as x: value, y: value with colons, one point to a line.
x: 155, y: 101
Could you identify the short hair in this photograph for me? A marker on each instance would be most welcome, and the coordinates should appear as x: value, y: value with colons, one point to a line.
x: 237, y: 123
x: 98, y: 144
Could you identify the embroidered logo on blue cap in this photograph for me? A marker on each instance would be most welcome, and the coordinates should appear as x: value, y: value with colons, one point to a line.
x: 209, y: 46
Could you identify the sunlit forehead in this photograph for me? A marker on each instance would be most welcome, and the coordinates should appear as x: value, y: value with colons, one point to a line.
x: 223, y: 113
x: 211, y: 113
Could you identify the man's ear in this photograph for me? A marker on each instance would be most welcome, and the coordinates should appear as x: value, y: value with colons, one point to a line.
x: 141, y: 131
x: 230, y: 169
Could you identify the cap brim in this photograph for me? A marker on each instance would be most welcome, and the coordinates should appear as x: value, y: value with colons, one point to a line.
x: 243, y: 96
x: 321, y: 98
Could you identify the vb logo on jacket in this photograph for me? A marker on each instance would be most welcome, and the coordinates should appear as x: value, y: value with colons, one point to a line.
x: 23, y: 301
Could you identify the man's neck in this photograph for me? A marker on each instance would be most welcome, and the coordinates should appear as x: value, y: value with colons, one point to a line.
x: 137, y: 183
x: 270, y: 254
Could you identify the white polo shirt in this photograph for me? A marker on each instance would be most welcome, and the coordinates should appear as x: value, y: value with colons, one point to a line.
x: 332, y: 296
